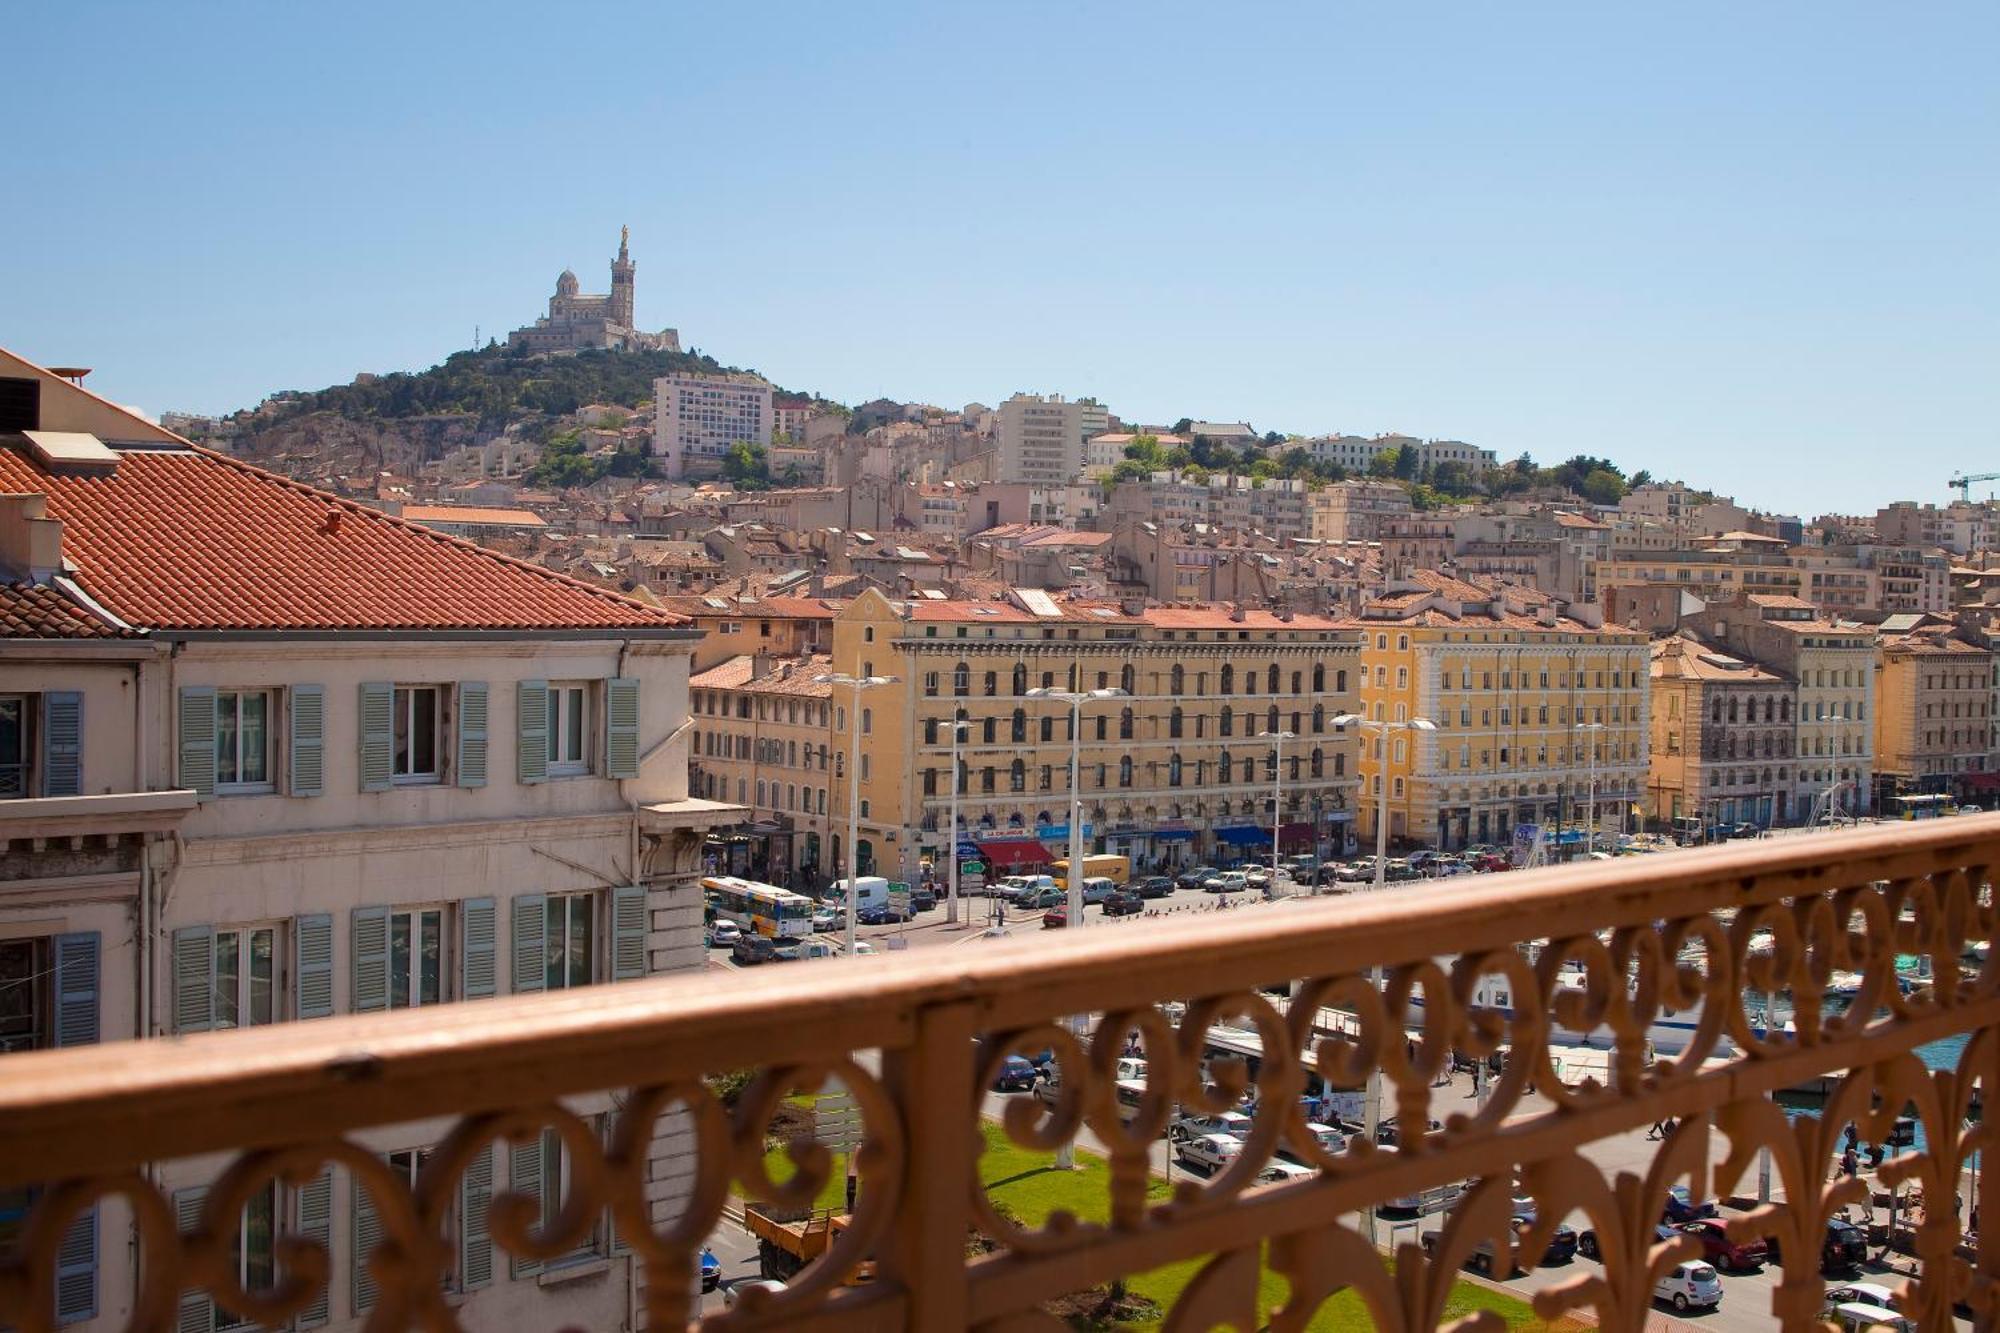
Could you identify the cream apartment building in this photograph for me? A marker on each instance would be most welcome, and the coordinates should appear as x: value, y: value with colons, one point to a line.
x: 328, y: 762
x: 763, y: 739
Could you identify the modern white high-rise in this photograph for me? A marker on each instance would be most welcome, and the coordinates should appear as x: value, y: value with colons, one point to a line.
x: 697, y: 418
x: 1041, y: 439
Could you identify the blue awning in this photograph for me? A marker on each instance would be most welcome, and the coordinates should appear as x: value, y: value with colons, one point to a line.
x: 1242, y: 836
x: 1169, y: 835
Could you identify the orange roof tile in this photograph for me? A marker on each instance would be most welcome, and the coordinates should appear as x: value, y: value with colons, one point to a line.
x: 38, y: 611
x: 189, y: 539
x: 511, y: 518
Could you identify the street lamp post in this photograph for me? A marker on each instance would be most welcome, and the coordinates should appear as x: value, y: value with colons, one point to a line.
x: 1277, y: 739
x: 1590, y: 731
x: 1371, y: 1116
x: 858, y: 684
x: 1073, y: 913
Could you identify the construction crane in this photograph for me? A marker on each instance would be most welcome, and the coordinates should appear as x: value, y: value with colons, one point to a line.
x: 1964, y: 482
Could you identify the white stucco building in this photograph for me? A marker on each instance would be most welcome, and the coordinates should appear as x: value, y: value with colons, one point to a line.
x: 696, y: 418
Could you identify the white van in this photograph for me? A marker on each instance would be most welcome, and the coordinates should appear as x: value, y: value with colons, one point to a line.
x: 869, y: 891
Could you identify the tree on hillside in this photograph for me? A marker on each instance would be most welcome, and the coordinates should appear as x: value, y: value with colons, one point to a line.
x: 1407, y: 459
x: 1144, y: 449
x: 1184, y: 426
x: 1639, y: 478
x: 1603, y: 487
x: 1383, y: 465
x: 746, y: 467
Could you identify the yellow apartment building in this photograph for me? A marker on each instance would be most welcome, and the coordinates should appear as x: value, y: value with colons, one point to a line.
x: 762, y: 737
x: 1507, y: 676
x: 1933, y: 709
x: 1176, y: 771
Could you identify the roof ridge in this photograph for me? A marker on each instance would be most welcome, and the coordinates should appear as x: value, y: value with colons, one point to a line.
x: 357, y: 508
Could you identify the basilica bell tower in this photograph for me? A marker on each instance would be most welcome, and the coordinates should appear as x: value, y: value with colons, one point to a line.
x: 622, y: 269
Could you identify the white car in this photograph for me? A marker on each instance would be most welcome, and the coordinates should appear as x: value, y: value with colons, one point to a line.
x: 1690, y: 1285
x: 1232, y: 1124
x: 1330, y: 1139
x: 1229, y: 881
x: 825, y: 919
x: 724, y: 934
x: 1861, y: 1293
x: 1281, y: 1172
x: 1860, y: 1317
x: 1212, y: 1151
x: 1131, y: 1069
x: 734, y: 1291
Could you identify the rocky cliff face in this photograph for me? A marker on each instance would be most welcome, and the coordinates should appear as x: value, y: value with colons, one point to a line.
x: 323, y: 444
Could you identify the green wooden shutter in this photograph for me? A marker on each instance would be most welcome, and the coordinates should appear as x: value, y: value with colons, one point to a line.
x: 308, y: 740
x: 197, y: 737
x: 77, y: 965
x: 531, y: 730
x: 312, y: 964
x: 76, y: 1269
x: 472, y: 733
x: 194, y: 978
x: 378, y: 708
x: 628, y: 932
x: 197, y: 1311
x: 316, y: 1226
x: 367, y: 1228
x: 475, y: 1244
x: 621, y: 728
x: 478, y: 942
x: 370, y: 942
x: 62, y: 743
x: 524, y: 1177
x: 531, y: 930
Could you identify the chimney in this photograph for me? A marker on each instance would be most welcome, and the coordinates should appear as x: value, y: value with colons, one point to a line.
x: 31, y: 543
x: 1237, y: 614
x: 760, y: 664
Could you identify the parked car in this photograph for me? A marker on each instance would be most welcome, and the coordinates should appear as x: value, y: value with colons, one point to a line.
x: 1562, y: 1241
x: 1862, y: 1293
x: 1124, y: 903
x: 1234, y: 1124
x: 1044, y: 897
x: 723, y: 934
x: 1155, y: 886
x: 1228, y: 881
x: 749, y: 950
x: 1195, y: 878
x: 1329, y: 1139
x: 825, y: 919
x: 923, y: 900
x: 1586, y: 1241
x: 1690, y: 1285
x: 1096, y: 888
x: 1358, y: 871
x: 1732, y: 1256
x: 1860, y: 1317
x: 1682, y: 1206
x: 1016, y: 1075
x: 1257, y: 876
x: 1280, y: 1172
x: 882, y: 914
x: 1844, y: 1246
x: 1209, y: 1151
x: 1422, y: 857
x: 1056, y: 917
x: 711, y: 1269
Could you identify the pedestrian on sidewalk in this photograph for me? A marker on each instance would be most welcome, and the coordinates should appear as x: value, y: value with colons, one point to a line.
x: 1658, y: 1131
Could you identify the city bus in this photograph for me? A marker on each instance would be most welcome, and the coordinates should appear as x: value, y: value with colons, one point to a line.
x: 1117, y: 869
x: 1927, y: 806
x: 760, y: 909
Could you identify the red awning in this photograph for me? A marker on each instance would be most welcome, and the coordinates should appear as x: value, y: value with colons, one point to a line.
x: 1296, y: 838
x: 1013, y: 853
x: 1980, y: 781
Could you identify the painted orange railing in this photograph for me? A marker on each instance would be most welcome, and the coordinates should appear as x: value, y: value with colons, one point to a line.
x: 916, y: 1038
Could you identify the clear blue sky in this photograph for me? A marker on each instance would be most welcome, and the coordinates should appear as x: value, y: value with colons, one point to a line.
x: 1753, y: 245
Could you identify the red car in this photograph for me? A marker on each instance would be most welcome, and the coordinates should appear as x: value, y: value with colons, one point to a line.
x: 1055, y: 917
x: 1738, y: 1256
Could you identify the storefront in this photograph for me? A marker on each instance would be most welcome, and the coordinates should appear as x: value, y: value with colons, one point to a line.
x: 1013, y: 856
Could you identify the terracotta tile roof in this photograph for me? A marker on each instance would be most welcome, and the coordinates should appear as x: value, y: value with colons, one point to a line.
x: 1218, y: 617
x: 1683, y: 658
x: 797, y: 676
x: 38, y: 611
x: 512, y: 518
x: 189, y: 539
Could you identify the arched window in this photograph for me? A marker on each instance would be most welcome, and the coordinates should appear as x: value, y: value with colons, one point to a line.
x: 1319, y: 676
x: 1018, y: 732
x: 1732, y: 710
x: 1715, y: 712
x: 1225, y: 769
x: 961, y: 680
x: 986, y: 734
x: 992, y: 683
x: 1174, y: 770
x: 1340, y: 682
x: 1228, y: 680
x: 1177, y: 681
x: 1228, y: 723
x: 1296, y: 727
x: 1017, y: 776
x: 1271, y: 722
x: 1020, y: 678
x: 1128, y: 679
x: 1296, y: 679
x: 1249, y: 680
x: 1124, y: 724
x: 1048, y: 728
x: 1125, y: 770
x: 1174, y: 724
x: 1271, y: 679
x: 1318, y: 762
x: 1319, y: 718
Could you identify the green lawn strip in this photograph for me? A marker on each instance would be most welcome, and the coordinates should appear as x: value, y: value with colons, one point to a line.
x: 1027, y: 1183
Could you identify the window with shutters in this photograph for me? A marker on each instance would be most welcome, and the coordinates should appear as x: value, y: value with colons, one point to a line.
x: 16, y: 745
x: 571, y: 940
x: 416, y: 957
x: 245, y: 990
x: 252, y: 1251
x: 26, y: 995
x: 243, y: 741
x: 569, y: 729
x: 417, y: 726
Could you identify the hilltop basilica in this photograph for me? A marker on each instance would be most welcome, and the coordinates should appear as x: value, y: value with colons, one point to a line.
x: 576, y: 322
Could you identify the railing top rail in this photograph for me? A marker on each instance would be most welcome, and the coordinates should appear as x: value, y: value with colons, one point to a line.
x: 131, y: 1102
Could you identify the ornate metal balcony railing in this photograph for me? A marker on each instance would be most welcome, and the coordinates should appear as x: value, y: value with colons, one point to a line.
x: 916, y: 1040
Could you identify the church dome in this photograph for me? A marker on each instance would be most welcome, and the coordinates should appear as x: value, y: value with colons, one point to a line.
x: 566, y: 284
